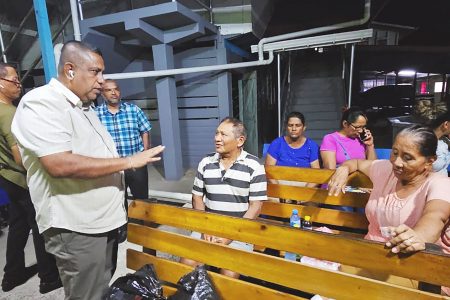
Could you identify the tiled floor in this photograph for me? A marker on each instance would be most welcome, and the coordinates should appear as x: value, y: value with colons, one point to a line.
x: 30, y: 290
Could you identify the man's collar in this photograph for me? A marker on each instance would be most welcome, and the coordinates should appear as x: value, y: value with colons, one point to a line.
x: 241, y: 156
x: 66, y: 92
x: 105, y: 106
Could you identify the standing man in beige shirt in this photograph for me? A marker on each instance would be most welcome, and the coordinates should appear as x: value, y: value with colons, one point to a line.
x: 74, y: 172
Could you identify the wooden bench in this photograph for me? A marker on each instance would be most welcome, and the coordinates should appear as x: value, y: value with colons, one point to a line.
x: 282, y: 183
x: 359, y: 253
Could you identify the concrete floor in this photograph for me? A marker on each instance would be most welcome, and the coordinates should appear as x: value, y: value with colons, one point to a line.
x: 30, y: 290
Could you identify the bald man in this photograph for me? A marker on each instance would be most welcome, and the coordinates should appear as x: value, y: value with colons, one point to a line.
x: 75, y: 174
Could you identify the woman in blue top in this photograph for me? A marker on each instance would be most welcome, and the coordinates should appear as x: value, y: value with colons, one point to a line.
x: 294, y: 149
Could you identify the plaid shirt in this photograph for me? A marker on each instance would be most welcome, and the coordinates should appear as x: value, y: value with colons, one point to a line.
x: 125, y: 127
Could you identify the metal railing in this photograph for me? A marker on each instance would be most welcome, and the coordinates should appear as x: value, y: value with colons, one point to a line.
x: 21, y: 26
x: 54, y: 37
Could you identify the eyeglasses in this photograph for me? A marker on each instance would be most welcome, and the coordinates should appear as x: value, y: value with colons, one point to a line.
x: 357, y: 127
x: 17, y: 82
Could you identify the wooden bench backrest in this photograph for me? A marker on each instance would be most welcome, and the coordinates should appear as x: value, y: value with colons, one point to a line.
x: 228, y: 288
x: 280, y: 180
x: 355, y: 252
x: 321, y: 176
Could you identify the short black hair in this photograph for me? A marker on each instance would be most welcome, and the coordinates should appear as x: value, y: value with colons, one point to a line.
x: 72, y: 50
x: 82, y: 46
x: 425, y: 137
x: 296, y: 114
x: 440, y: 118
x: 110, y: 80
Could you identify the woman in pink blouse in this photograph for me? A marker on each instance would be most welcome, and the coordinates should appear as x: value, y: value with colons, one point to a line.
x: 352, y: 141
x: 410, y: 204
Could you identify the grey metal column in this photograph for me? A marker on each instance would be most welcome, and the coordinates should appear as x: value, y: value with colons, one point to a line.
x: 350, y: 82
x: 279, y: 93
x: 224, y: 83
x: 168, y: 113
x: 2, y: 46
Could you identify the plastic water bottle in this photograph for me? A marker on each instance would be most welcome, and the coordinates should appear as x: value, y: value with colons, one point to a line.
x: 295, y: 219
x: 307, y: 224
x: 294, y: 222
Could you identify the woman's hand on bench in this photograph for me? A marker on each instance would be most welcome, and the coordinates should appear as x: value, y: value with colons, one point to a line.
x: 222, y: 241
x: 215, y: 239
x: 338, y: 181
x: 405, y: 239
x: 207, y: 237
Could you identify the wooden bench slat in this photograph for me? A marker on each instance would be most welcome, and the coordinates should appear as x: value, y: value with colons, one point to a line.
x: 355, y: 252
x: 406, y: 282
x: 321, y: 176
x: 318, y: 215
x: 168, y: 290
x: 227, y: 287
x: 316, y: 195
x: 286, y: 273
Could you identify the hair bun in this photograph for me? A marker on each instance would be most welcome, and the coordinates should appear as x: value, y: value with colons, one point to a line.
x: 429, y: 110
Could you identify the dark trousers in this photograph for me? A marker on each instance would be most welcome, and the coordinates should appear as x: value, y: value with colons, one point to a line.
x: 21, y: 220
x: 138, y: 183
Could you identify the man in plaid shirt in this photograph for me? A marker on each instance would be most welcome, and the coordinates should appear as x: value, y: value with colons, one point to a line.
x: 130, y: 130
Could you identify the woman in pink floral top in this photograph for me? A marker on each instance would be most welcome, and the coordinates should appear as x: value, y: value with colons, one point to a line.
x: 410, y: 204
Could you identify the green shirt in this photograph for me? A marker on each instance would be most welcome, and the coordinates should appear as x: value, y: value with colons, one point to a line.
x: 6, y: 142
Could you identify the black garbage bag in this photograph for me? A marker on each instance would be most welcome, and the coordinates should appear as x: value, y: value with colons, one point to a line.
x: 143, y: 284
x: 196, y: 285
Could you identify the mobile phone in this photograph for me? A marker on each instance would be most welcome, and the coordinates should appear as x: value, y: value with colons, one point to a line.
x: 363, y: 136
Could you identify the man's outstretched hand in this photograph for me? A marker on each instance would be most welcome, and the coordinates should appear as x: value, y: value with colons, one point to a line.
x: 145, y: 157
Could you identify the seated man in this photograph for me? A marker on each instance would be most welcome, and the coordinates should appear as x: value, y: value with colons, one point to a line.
x: 230, y: 182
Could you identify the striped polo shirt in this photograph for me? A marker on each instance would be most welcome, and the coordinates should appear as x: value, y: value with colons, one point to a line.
x: 229, y: 191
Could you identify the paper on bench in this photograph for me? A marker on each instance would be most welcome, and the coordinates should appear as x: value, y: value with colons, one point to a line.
x: 325, y: 264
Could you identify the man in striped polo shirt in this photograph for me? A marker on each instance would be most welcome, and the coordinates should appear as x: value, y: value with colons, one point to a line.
x: 229, y: 181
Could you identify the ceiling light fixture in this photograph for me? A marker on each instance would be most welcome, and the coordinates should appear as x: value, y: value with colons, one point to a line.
x: 407, y: 73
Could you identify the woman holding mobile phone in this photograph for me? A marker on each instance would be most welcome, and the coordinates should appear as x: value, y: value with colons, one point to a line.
x: 352, y: 141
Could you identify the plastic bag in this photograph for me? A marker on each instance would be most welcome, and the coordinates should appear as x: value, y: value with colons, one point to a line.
x: 143, y: 284
x: 196, y: 285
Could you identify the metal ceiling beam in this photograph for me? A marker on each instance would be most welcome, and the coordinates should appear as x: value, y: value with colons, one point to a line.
x: 13, y: 29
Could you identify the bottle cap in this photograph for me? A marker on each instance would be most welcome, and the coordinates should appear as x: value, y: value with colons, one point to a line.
x: 307, y: 218
x: 295, y: 211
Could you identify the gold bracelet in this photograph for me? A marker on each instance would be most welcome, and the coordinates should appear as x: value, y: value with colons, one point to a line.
x: 130, y: 162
